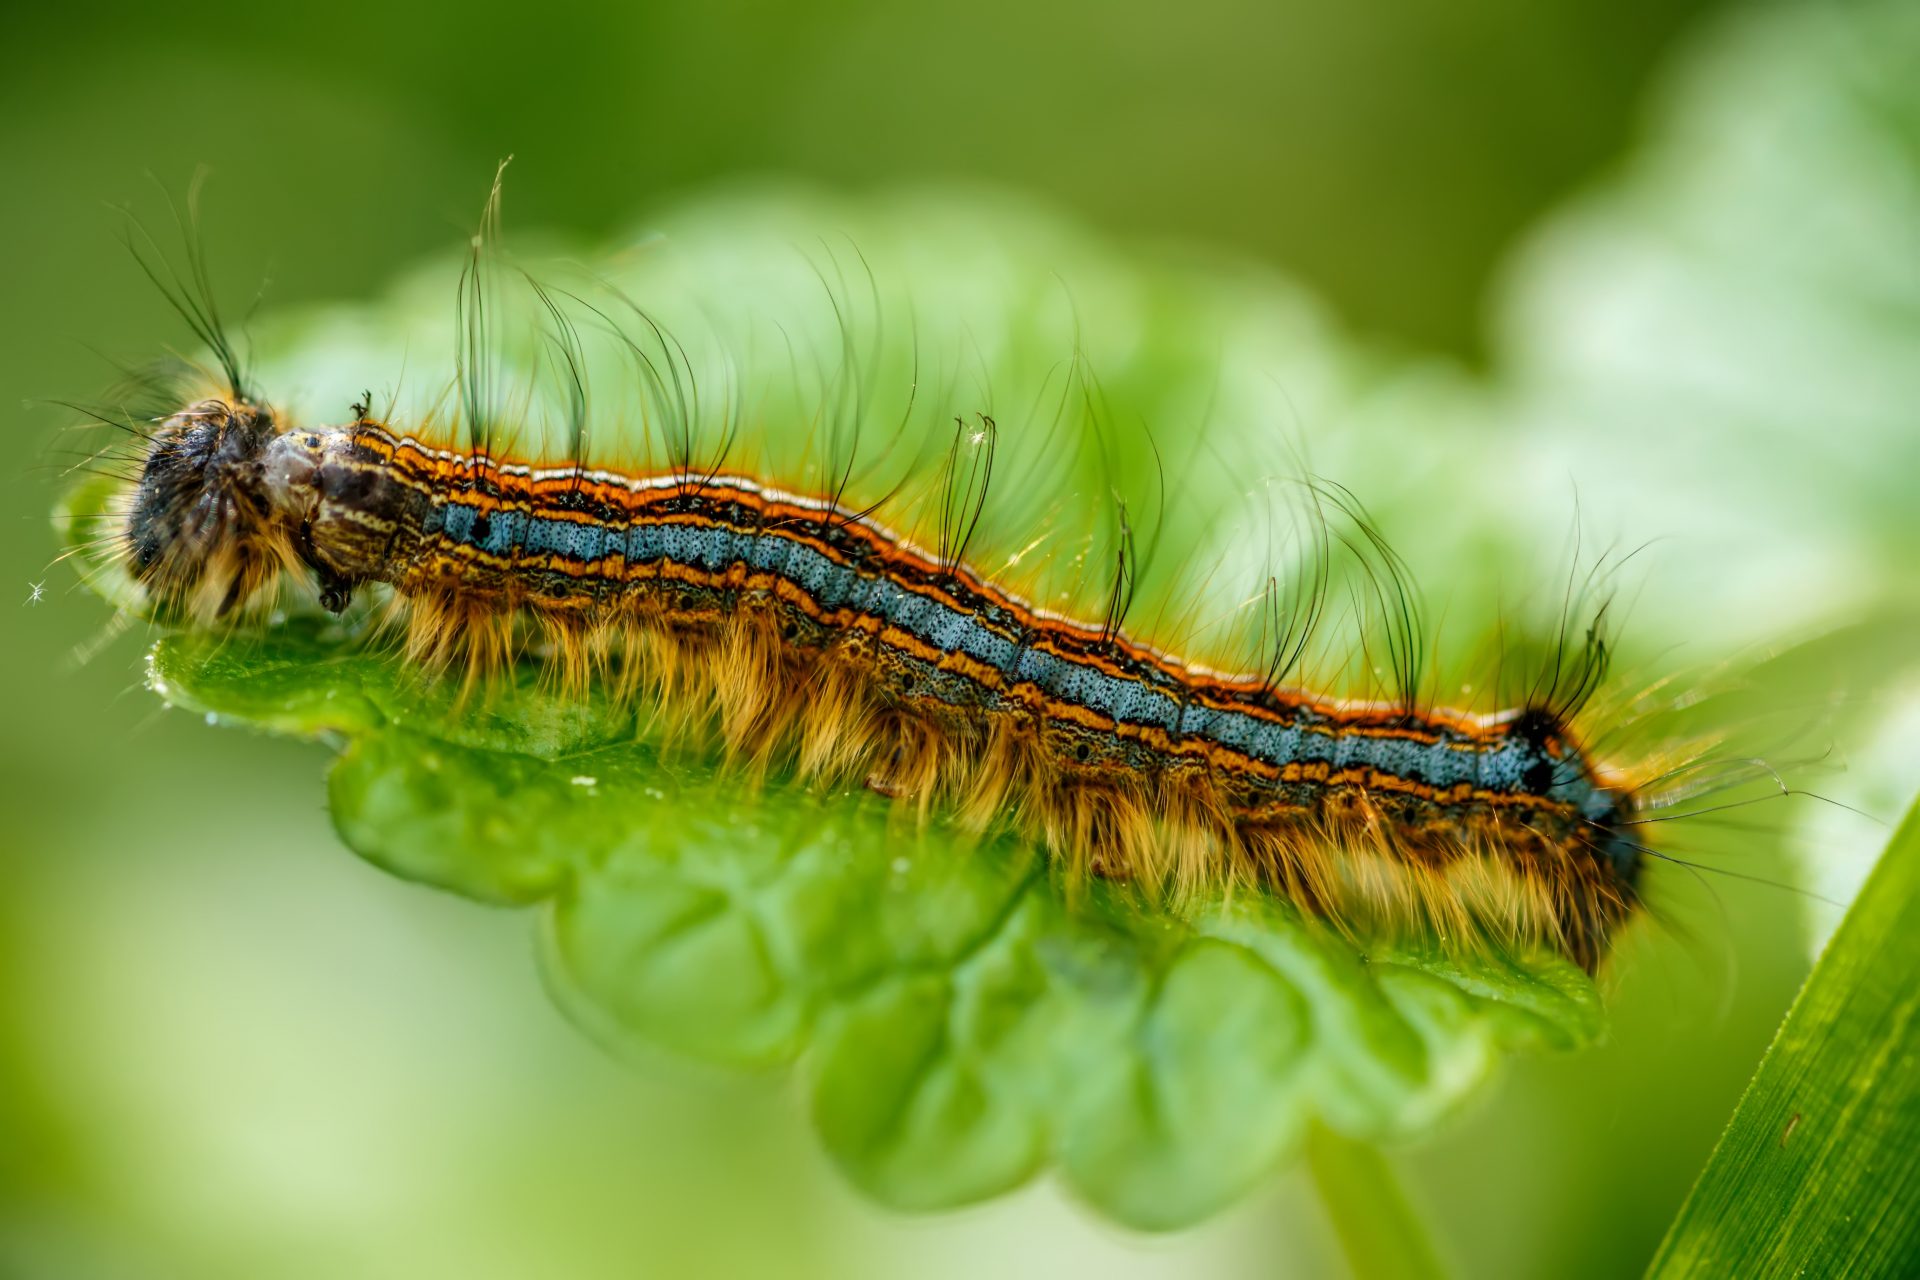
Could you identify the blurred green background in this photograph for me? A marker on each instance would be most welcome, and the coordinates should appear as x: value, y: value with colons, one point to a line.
x: 227, y: 1048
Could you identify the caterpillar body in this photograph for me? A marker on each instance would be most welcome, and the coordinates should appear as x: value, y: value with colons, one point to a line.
x: 814, y: 636
x: 814, y: 631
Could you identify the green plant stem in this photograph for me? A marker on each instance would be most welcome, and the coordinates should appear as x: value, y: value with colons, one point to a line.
x: 1381, y: 1235
x: 1818, y: 1172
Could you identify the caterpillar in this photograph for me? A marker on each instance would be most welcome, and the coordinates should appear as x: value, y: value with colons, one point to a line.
x: 815, y: 632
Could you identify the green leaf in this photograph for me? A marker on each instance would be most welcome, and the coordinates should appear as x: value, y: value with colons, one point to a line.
x: 1819, y: 1170
x: 963, y: 1019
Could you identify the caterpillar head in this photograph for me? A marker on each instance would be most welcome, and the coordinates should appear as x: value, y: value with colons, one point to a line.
x: 204, y: 530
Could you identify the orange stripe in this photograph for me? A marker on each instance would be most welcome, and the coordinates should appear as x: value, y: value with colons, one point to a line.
x: 1061, y: 638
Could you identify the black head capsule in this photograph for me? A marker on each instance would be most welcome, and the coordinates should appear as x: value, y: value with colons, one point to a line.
x: 295, y: 468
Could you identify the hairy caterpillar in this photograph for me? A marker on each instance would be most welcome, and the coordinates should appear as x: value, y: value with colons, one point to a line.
x: 815, y: 635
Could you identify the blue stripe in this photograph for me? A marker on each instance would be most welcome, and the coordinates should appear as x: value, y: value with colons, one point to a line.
x: 1499, y: 766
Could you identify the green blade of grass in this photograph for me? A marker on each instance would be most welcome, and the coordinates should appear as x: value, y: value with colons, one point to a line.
x: 1819, y: 1171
